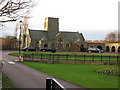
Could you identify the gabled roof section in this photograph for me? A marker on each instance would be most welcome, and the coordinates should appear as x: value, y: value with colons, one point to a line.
x: 71, y: 36
x: 38, y: 34
x: 45, y: 35
x: 52, y: 35
x: 82, y: 36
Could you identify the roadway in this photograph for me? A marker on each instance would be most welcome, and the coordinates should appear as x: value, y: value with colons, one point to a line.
x: 25, y: 77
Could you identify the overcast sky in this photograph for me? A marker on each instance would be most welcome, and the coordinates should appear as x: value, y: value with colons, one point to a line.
x: 94, y: 18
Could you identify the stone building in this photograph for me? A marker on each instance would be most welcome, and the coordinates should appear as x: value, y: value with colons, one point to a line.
x: 60, y: 40
x: 112, y: 47
x: 99, y: 45
x: 105, y: 46
x: 52, y: 37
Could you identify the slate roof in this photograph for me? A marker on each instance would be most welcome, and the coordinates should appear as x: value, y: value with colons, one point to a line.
x: 51, y: 35
x: 46, y: 35
x: 70, y: 36
x: 38, y: 34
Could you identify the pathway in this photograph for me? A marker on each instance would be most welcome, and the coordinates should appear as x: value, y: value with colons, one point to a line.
x: 25, y: 77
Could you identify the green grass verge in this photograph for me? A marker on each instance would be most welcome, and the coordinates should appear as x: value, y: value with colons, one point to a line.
x: 79, y: 74
x: 70, y: 53
x: 6, y: 83
x: 70, y: 56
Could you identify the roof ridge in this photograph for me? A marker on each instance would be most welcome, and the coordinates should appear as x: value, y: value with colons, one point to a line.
x: 38, y: 30
x: 68, y: 32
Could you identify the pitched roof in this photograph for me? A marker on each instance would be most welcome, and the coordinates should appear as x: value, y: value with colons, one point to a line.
x: 46, y: 35
x: 38, y: 34
x: 70, y: 35
x: 51, y: 35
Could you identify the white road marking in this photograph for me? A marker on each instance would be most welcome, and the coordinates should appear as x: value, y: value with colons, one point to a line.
x: 11, y: 62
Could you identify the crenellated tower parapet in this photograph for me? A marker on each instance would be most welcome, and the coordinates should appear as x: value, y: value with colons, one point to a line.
x: 51, y: 24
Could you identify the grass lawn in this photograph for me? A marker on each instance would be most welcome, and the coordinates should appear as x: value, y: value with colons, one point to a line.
x: 81, y: 74
x: 6, y: 83
x: 70, y: 56
x: 70, y: 53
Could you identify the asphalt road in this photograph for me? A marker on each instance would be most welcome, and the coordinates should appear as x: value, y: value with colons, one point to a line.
x: 25, y: 77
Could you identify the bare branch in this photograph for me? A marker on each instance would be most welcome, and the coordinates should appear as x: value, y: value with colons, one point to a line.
x: 7, y: 20
x: 15, y: 9
x: 113, y: 37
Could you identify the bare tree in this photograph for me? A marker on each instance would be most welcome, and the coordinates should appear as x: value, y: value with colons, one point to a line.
x: 11, y: 10
x: 113, y: 36
x: 74, y: 46
x: 9, y: 42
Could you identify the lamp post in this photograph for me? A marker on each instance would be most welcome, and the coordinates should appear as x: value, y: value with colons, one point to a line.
x: 20, y: 37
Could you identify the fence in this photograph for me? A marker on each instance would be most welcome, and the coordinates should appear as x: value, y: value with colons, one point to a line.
x: 53, y: 84
x: 66, y: 57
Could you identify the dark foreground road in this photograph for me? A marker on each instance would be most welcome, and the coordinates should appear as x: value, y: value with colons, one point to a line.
x: 25, y: 77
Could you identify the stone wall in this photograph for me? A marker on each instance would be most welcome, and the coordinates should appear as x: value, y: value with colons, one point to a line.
x: 106, y: 47
x: 112, y: 47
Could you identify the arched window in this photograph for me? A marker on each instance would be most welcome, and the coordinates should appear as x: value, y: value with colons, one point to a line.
x: 67, y: 45
x: 113, y: 48
x: 100, y: 47
x: 119, y: 49
x: 60, y: 40
x: 82, y: 48
x: 107, y: 49
x: 45, y: 45
x: 24, y: 38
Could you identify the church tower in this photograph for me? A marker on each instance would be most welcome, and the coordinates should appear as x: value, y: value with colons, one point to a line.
x: 51, y: 24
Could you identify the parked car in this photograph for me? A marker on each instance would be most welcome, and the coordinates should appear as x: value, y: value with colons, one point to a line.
x: 47, y: 50
x: 95, y: 50
x: 29, y: 49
